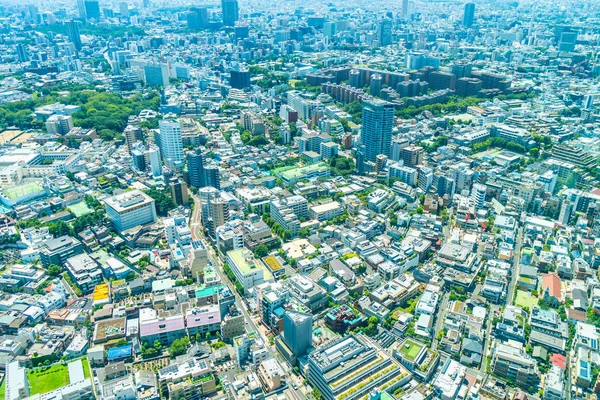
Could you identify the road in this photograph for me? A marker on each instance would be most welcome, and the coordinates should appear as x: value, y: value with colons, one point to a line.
x: 68, y: 287
x: 215, y: 259
x: 439, y: 318
x: 514, y: 275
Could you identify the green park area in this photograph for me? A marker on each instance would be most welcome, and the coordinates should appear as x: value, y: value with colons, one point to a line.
x: 525, y: 299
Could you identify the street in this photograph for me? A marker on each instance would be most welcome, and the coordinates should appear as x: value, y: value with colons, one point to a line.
x: 214, y: 259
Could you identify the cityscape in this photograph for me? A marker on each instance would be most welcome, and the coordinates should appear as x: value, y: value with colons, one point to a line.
x: 342, y: 200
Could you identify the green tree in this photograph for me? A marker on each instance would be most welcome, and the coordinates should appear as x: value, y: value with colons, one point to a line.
x: 179, y: 346
x: 261, y: 250
x: 54, y: 270
x: 164, y: 203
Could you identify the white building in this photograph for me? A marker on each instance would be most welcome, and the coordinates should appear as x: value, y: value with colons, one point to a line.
x: 59, y: 124
x: 326, y: 212
x: 130, y: 209
x: 171, y: 143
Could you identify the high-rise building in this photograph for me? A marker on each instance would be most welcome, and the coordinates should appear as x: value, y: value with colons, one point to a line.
x: 375, y: 85
x: 139, y: 160
x: 197, y: 175
x: 469, y: 16
x: 219, y: 214
x: 92, y: 9
x: 297, y: 331
x: 377, y: 124
x: 81, y: 9
x: 179, y: 192
x: 197, y: 18
x: 171, y: 143
x: 240, y: 79
x: 59, y: 124
x: 198, y: 259
x: 21, y: 53
x: 412, y: 155
x: 212, y: 176
x: 385, y: 32
x: 156, y: 74
x: 130, y: 209
x: 206, y: 195
x: 404, y: 9
x: 478, y: 196
x: 73, y: 33
x: 230, y: 11
x: 360, y: 160
x: 154, y: 159
x: 133, y: 134
x: 124, y: 9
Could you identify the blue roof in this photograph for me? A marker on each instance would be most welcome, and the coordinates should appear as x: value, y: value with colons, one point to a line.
x: 584, y: 369
x: 119, y: 352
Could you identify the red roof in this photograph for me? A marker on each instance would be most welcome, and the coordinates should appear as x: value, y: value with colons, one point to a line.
x: 559, y: 360
x: 552, y: 282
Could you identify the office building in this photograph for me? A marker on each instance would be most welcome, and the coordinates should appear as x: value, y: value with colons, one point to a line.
x: 84, y: 272
x: 21, y: 53
x: 197, y: 175
x: 133, y: 134
x: 297, y: 332
x: 81, y: 9
x: 405, y: 9
x: 514, y: 364
x: 326, y: 212
x: 171, y: 143
x: 156, y: 74
x: 230, y: 11
x: 57, y: 251
x: 164, y: 329
x: 288, y: 211
x: 198, y: 259
x: 124, y: 9
x: 385, y: 33
x: 478, y: 196
x: 360, y: 159
x: 240, y: 79
x: 197, y: 18
x: 179, y: 192
x: 219, y: 214
x: 469, y: 16
x: 412, y: 155
x: 59, y: 124
x: 377, y: 124
x: 153, y: 158
x: 17, y: 385
x: 92, y: 9
x: 213, y: 176
x: 350, y: 368
x: 130, y: 209
x: 139, y: 160
x: 248, y: 270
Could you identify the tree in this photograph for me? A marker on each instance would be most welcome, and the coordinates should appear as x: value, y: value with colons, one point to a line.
x: 54, y: 270
x: 261, y: 251
x: 59, y: 228
x: 179, y: 346
x: 534, y: 152
x: 92, y: 202
x: 316, y: 394
x: 157, y: 345
x: 164, y: 203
